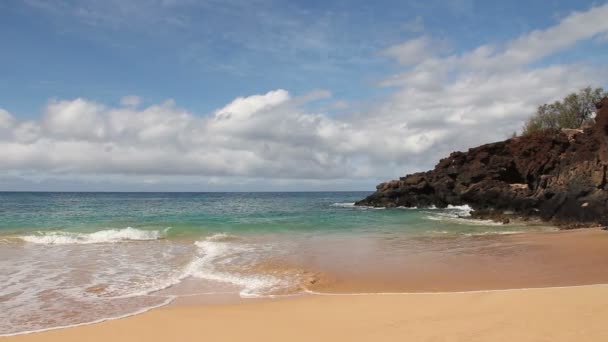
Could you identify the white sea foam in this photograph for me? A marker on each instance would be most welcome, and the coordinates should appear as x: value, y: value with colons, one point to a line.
x: 344, y: 205
x: 220, y: 257
x: 217, y: 251
x: 200, y: 266
x: 220, y: 237
x: 416, y: 208
x: 167, y: 301
x: 226, y: 259
x: 462, y: 220
x: 351, y: 205
x: 460, y: 214
x: 465, y: 207
x: 102, y: 236
x: 91, y: 280
x: 504, y: 232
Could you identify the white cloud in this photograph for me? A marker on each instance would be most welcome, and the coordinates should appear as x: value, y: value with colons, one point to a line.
x: 74, y: 119
x: 261, y: 135
x: 6, y: 119
x: 26, y: 132
x: 441, y: 103
x: 130, y: 101
x: 243, y: 107
x: 415, y: 50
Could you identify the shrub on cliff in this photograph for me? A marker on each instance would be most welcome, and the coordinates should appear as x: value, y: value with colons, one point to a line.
x: 571, y: 112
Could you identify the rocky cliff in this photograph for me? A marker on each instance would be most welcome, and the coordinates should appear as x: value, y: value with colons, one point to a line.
x: 554, y: 175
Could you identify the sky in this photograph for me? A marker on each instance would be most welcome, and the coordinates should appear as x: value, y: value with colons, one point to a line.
x: 268, y: 95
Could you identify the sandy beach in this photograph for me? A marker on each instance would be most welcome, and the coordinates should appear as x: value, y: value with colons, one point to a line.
x: 550, y: 314
x: 552, y: 291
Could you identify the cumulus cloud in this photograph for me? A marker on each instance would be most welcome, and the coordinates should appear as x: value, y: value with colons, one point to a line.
x: 440, y: 103
x: 77, y: 119
x: 260, y: 135
x: 268, y: 135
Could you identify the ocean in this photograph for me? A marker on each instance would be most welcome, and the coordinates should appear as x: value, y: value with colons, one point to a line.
x: 74, y: 258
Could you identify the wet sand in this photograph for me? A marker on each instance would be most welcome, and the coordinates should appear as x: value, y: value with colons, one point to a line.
x: 527, y: 260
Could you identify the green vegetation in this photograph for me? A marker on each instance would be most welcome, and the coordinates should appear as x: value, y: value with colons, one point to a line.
x: 571, y: 112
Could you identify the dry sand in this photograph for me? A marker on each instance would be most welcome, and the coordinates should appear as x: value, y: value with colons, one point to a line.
x: 550, y: 314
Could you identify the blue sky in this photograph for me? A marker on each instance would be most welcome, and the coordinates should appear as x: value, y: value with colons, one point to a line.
x: 326, y: 73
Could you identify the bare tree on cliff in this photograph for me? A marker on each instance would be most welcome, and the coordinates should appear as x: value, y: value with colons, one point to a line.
x: 572, y: 112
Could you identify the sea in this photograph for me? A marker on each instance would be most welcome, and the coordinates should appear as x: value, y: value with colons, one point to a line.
x: 74, y: 258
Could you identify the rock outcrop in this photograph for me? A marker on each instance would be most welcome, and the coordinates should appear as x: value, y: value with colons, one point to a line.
x: 554, y: 175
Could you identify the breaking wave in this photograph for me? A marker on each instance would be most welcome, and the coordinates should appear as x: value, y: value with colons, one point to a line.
x: 351, y: 205
x: 102, y: 236
x: 344, y: 205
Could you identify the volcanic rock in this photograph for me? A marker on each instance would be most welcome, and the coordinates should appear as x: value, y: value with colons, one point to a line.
x: 555, y: 175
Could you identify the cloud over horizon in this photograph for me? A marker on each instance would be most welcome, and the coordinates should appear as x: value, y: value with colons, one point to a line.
x: 440, y: 102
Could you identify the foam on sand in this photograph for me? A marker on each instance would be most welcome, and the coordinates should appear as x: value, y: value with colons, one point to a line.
x: 216, y: 255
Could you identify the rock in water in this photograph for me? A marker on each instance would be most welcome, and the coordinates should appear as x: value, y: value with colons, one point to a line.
x: 559, y: 176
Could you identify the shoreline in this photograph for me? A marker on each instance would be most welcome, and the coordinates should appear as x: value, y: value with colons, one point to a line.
x: 522, y: 314
x: 573, y: 244
x: 569, y: 258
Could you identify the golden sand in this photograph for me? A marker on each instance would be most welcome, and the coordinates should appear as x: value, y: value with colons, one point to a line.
x: 551, y: 314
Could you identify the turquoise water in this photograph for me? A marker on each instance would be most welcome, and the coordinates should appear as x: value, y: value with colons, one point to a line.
x: 185, y: 213
x: 72, y: 258
x: 203, y: 213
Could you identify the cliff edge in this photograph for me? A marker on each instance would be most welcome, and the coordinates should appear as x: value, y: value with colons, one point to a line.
x: 558, y: 176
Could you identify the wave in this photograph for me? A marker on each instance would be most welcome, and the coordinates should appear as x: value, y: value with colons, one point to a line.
x: 102, y: 236
x: 463, y: 220
x: 344, y: 205
x: 221, y: 237
x: 457, y: 214
x: 502, y: 232
x: 462, y: 209
x: 416, y: 208
x: 226, y: 259
x: 351, y: 205
x: 220, y: 257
